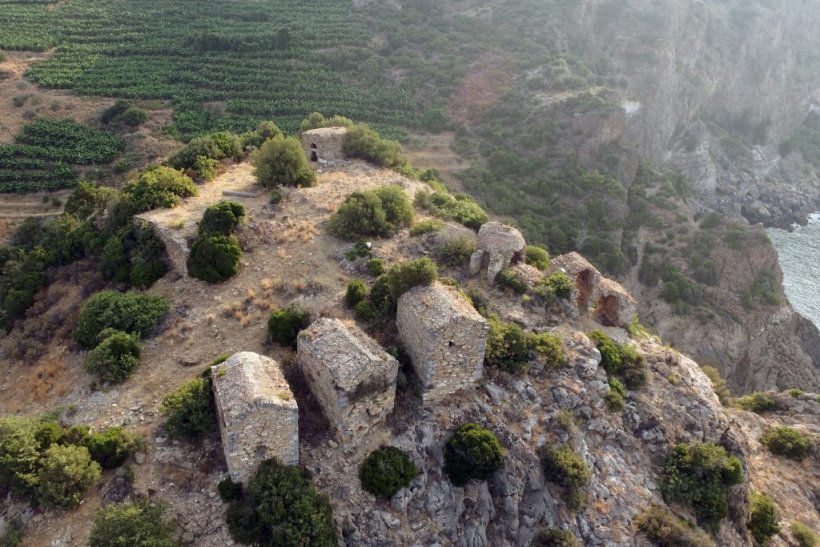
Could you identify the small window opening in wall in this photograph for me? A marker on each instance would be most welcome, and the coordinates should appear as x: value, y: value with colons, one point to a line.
x: 451, y: 344
x: 314, y: 154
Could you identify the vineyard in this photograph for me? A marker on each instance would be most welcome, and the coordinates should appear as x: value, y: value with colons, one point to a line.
x: 44, y: 151
x: 224, y: 65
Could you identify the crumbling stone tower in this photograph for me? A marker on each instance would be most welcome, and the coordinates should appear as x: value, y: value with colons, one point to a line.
x: 324, y: 144
x: 258, y: 416
x: 499, y: 246
x: 445, y: 337
x: 352, y: 377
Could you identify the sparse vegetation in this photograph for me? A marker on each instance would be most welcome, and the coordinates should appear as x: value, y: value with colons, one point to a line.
x: 280, y: 506
x: 757, y: 402
x: 362, y: 142
x: 719, y: 385
x: 137, y: 524
x: 428, y: 226
x: 460, y: 208
x: 456, y: 252
x: 555, y: 537
x: 663, y: 528
x: 621, y: 360
x: 804, y: 535
x: 406, y: 275
x: 472, y: 453
x: 512, y: 280
x: 284, y: 325
x: 615, y: 397
x: 763, y: 518
x: 564, y: 467
x: 788, y: 442
x: 699, y: 475
x: 385, y: 471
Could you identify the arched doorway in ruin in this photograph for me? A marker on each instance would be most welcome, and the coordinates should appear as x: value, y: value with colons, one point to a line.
x: 314, y: 152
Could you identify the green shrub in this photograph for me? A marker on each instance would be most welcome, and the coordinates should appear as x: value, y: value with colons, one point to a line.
x: 406, y: 275
x: 555, y: 285
x: 137, y: 524
x: 610, y: 351
x: 426, y: 227
x: 455, y: 252
x: 284, y: 325
x: 362, y: 142
x: 111, y: 447
x: 115, y: 358
x: 229, y: 490
x: 189, y: 411
x: 221, y: 219
x: 804, y: 535
x: 719, y: 385
x: 15, y: 531
x: 788, y: 442
x: 276, y: 196
x: 21, y: 447
x: 356, y: 292
x: 316, y: 120
x: 512, y: 280
x: 229, y: 144
x: 547, y: 348
x: 280, y: 161
x: 375, y: 267
x: 555, y: 537
x: 381, y: 298
x: 214, y: 258
x: 663, y: 528
x: 615, y: 398
x: 564, y: 467
x: 133, y: 313
x: 377, y: 212
x: 460, y: 208
x: 757, y: 402
x: 198, y: 147
x: 133, y: 255
x: 360, y: 249
x: 159, y: 187
x: 280, y: 506
x: 385, y: 471
x: 796, y: 392
x: 699, y: 475
x: 763, y: 518
x: 123, y: 112
x: 621, y: 360
x: 65, y: 476
x: 538, y: 257
x: 507, y: 346
x: 472, y: 453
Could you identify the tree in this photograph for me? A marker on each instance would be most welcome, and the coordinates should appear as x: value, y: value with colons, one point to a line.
x: 159, y: 187
x: 385, y: 471
x: 214, y: 258
x: 130, y: 312
x: 116, y: 356
x: 66, y: 474
x: 472, y: 452
x: 280, y: 161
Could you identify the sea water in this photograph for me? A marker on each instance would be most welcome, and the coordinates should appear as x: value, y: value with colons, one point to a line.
x: 799, y: 255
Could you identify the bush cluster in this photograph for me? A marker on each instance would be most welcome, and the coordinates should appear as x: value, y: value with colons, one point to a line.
x: 137, y: 524
x: 510, y: 348
x: 385, y: 471
x: 316, y: 120
x: 280, y: 506
x: 406, y: 275
x: 699, y: 475
x: 788, y: 442
x: 133, y: 256
x: 115, y: 357
x: 762, y: 518
x: 538, y: 257
x: 564, y: 467
x: 55, y: 467
x: 555, y: 285
x: 555, y: 537
x: 426, y: 227
x: 133, y: 313
x: 377, y: 213
x: 757, y: 402
x: 617, y: 392
x: 356, y: 292
x: 455, y: 252
x: 621, y: 360
x: 229, y: 490
x: 472, y: 453
x: 460, y: 207
x: 280, y: 161
x: 209, y: 150
x: 512, y: 280
x: 216, y: 253
x: 719, y: 385
x: 663, y: 528
x: 190, y: 410
x: 804, y: 535
x: 158, y: 187
x: 284, y: 325
x: 362, y: 142
x: 124, y: 112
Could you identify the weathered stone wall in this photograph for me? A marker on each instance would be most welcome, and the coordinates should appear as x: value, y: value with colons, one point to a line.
x: 175, y: 241
x: 445, y: 337
x: 352, y: 377
x: 499, y: 246
x: 324, y: 144
x: 258, y: 416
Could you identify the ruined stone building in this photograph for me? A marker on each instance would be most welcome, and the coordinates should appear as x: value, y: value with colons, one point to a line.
x: 499, y: 246
x: 324, y: 144
x: 445, y: 337
x: 350, y: 375
x: 258, y: 415
x: 610, y: 303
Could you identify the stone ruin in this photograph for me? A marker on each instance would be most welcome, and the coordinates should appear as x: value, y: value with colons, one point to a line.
x: 499, y: 246
x: 175, y: 240
x: 350, y: 375
x: 445, y: 337
x: 258, y: 415
x: 324, y: 145
x: 612, y: 305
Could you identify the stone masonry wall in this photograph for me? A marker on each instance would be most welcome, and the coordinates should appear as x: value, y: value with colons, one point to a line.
x: 352, y: 377
x: 258, y: 416
x: 445, y: 337
x: 325, y: 142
